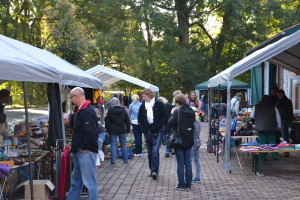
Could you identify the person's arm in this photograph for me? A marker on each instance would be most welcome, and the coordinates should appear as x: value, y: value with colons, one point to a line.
x: 278, y: 118
x: 107, y: 121
x: 127, y: 122
x: 173, y: 119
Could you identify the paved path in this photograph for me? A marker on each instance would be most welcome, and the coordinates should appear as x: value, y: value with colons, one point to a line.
x: 130, y: 181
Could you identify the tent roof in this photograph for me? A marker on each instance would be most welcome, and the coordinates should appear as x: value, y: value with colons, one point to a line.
x: 236, y: 84
x: 284, y: 52
x: 109, y: 76
x: 22, y: 62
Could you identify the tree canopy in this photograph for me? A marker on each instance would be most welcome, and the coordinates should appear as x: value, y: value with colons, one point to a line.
x: 174, y: 44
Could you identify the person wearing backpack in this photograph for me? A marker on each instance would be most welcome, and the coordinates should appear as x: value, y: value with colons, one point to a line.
x: 235, y: 105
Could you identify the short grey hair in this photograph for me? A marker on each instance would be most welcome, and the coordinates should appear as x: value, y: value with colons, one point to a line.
x: 163, y: 99
x: 114, y: 101
x: 176, y: 92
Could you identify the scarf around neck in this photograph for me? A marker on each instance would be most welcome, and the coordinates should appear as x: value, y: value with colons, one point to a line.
x: 149, y: 106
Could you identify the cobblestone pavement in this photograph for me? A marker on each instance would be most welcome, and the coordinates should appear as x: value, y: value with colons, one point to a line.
x: 130, y: 181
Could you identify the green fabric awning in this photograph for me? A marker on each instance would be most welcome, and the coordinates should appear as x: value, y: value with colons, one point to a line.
x: 236, y: 84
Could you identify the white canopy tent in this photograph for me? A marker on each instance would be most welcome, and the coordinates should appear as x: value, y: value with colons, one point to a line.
x: 284, y: 52
x: 109, y: 76
x: 22, y: 62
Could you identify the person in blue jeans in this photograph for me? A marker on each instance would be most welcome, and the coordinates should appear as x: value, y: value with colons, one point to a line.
x: 195, y: 154
x: 137, y: 133
x: 183, y: 118
x: 84, y: 147
x: 117, y: 124
x: 152, y: 116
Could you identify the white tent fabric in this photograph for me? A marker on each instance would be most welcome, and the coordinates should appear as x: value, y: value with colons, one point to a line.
x: 22, y: 62
x: 109, y: 76
x: 265, y: 54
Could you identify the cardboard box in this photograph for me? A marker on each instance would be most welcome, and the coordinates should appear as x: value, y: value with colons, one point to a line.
x: 41, y: 189
x: 10, y: 163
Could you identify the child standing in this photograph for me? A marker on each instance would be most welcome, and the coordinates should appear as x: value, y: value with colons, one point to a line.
x: 195, y: 149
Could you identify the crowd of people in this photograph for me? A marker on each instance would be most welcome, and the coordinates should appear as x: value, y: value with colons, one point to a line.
x: 154, y: 118
x: 148, y: 116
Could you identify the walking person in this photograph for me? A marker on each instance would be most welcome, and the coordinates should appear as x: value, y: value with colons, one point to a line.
x: 183, y: 151
x: 152, y: 116
x: 137, y: 133
x: 117, y: 124
x: 84, y: 147
x: 195, y: 154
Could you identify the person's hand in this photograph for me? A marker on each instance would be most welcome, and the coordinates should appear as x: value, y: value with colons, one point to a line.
x: 173, y: 109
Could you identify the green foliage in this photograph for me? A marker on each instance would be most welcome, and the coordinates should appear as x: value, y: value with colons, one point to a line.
x: 174, y: 44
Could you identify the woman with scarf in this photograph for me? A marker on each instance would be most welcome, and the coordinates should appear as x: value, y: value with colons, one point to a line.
x: 151, y: 118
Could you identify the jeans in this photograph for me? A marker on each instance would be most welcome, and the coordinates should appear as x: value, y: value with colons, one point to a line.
x: 168, y: 150
x: 84, y: 173
x: 137, y: 133
x: 101, y: 138
x: 113, y: 147
x: 153, y: 154
x: 196, y: 157
x: 184, y: 167
x: 285, y: 125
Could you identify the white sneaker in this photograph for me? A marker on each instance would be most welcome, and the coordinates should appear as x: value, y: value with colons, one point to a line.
x: 136, y: 155
x: 140, y: 155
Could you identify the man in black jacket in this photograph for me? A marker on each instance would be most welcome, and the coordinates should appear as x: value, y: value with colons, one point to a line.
x: 285, y: 108
x: 84, y: 147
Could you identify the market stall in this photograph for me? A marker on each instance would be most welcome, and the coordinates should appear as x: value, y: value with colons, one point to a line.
x: 283, y: 51
x: 23, y: 62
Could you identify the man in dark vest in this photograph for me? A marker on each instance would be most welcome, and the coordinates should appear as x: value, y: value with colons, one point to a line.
x: 267, y: 121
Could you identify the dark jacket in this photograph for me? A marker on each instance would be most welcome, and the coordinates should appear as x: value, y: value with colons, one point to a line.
x: 285, y: 108
x: 160, y: 117
x: 117, y: 121
x: 186, y: 124
x: 265, y: 117
x: 85, y: 129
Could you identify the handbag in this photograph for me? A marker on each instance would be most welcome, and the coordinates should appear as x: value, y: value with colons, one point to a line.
x: 174, y: 139
x: 106, y: 139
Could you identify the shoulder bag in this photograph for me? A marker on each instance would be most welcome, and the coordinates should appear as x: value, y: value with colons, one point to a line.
x: 173, y: 138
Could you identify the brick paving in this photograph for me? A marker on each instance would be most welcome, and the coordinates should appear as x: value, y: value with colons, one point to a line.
x: 130, y: 181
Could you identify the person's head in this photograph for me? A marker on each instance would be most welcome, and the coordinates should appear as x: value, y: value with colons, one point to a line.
x: 163, y: 99
x: 265, y: 99
x: 176, y: 92
x: 135, y: 98
x: 77, y: 96
x: 274, y: 90
x: 114, y: 102
x: 239, y: 95
x: 280, y: 94
x: 193, y: 95
x: 147, y: 94
x: 180, y: 99
x: 4, y: 95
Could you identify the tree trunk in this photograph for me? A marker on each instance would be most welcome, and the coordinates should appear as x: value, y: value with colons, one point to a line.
x: 183, y: 21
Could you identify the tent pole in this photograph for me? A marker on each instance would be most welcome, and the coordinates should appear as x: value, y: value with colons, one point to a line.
x: 218, y: 126
x: 28, y: 140
x: 209, y: 111
x: 226, y: 154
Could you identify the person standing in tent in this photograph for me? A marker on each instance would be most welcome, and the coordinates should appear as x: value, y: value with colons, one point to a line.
x: 152, y: 117
x: 84, y: 147
x: 285, y: 107
x: 235, y: 104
